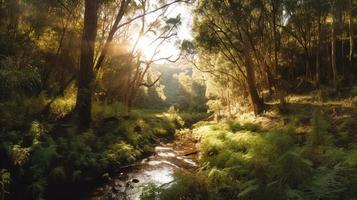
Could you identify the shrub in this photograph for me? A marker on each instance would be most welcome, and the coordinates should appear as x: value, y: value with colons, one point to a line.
x: 192, y: 117
x: 62, y: 106
x: 18, y: 83
x: 122, y: 153
x: 234, y: 126
x: 102, y: 110
x: 251, y: 127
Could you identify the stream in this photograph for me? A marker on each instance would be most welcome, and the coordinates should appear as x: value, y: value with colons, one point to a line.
x: 169, y: 157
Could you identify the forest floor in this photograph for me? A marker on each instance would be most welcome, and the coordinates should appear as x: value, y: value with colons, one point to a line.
x: 340, y: 113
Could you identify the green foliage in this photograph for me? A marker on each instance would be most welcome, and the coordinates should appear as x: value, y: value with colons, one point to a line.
x: 182, y: 87
x: 51, y: 158
x: 58, y: 174
x: 234, y: 126
x: 19, y: 155
x: 40, y: 49
x: 173, y: 115
x: 122, y: 153
x: 240, y: 163
x: 4, y: 177
x: 37, y: 189
x: 16, y: 83
x: 319, y: 134
x: 191, y: 118
x: 105, y: 110
x: 251, y: 127
x: 62, y: 106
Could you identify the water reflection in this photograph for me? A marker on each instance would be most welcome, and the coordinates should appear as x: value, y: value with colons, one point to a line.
x: 158, y: 169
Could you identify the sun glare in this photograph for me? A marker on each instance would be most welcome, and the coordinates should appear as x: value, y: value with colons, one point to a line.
x: 149, y: 49
x: 168, y: 48
x: 146, y: 47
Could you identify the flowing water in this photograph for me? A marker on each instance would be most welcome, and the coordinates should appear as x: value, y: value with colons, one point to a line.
x: 178, y: 156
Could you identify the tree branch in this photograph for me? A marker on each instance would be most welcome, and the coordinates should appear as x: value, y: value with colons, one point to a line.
x: 152, y: 84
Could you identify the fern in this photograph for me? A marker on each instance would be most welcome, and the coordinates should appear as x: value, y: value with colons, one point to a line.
x: 58, y: 174
x: 16, y: 83
x: 325, y: 184
x: 4, y: 182
x: 249, y: 189
x: 292, y: 169
x: 319, y: 134
x: 37, y: 189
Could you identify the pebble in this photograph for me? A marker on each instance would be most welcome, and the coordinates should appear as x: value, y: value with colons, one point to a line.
x: 135, y: 180
x: 117, y: 183
x: 116, y: 188
x: 105, y: 175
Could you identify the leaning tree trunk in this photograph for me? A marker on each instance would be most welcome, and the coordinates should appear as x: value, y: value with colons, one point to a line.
x: 86, y: 75
x: 255, y: 100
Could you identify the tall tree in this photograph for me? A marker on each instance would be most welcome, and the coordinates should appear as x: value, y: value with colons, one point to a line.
x: 350, y: 31
x: 334, y: 41
x: 229, y: 31
x: 88, y: 67
x: 86, y: 75
x: 320, y: 11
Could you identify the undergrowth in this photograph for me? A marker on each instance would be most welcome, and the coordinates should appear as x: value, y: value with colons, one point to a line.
x: 246, y: 162
x: 45, y: 159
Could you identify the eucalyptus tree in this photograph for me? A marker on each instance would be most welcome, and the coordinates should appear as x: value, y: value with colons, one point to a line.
x: 299, y: 26
x: 231, y: 31
x: 334, y: 29
x: 86, y: 74
x: 89, y: 65
x: 162, y: 29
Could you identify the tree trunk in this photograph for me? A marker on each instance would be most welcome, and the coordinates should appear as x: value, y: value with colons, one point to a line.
x: 129, y: 100
x: 317, y: 69
x: 275, y: 36
x: 307, y: 62
x: 269, y: 77
x: 333, y: 45
x: 255, y: 100
x: 2, y: 191
x: 350, y: 31
x: 86, y: 75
